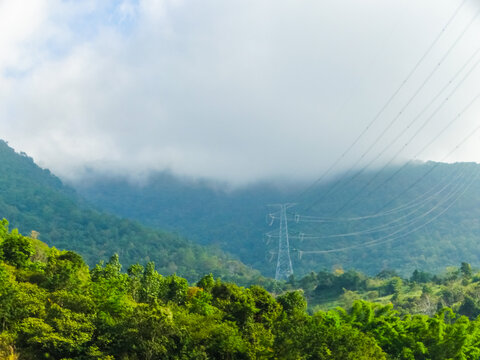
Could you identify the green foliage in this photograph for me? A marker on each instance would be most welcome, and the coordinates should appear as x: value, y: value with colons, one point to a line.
x: 420, y: 276
x: 422, y: 293
x: 65, y: 270
x: 105, y: 314
x: 207, y: 282
x: 3, y: 229
x: 16, y: 249
x: 176, y: 289
x: 470, y: 307
x: 234, y: 219
x: 37, y: 202
x: 466, y: 270
x: 292, y: 302
x: 322, y: 336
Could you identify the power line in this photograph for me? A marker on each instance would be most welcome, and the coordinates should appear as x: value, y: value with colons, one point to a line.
x: 422, y: 150
x: 425, y: 123
x: 386, y: 104
x: 377, y: 139
x: 283, y: 233
x: 412, y: 185
x: 389, y: 237
x: 386, y: 225
x: 381, y: 228
x: 413, y: 203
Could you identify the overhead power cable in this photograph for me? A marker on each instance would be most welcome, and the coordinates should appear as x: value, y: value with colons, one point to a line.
x: 417, y: 132
x: 386, y: 104
x: 422, y: 150
x: 394, y: 120
x: 381, y: 228
x: 380, y: 212
x: 415, y: 203
x: 392, y: 236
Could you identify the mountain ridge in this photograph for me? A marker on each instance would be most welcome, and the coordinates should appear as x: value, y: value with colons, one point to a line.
x: 235, y: 220
x: 33, y: 199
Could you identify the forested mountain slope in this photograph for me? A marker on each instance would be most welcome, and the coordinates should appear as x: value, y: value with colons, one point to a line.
x: 33, y: 199
x: 208, y: 212
x: 427, y: 216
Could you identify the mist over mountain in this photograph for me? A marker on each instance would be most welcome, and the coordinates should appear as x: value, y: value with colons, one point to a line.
x: 239, y: 92
x: 425, y: 217
x: 33, y: 199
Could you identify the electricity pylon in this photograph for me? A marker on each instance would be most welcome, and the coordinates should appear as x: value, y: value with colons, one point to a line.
x: 284, y: 263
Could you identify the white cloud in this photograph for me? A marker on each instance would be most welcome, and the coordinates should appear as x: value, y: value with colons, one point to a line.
x: 235, y: 90
x: 19, y: 24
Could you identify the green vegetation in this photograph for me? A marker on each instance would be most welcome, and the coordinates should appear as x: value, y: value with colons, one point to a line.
x: 421, y: 293
x: 210, y: 213
x: 52, y: 306
x: 234, y: 221
x: 35, y: 200
x: 205, y: 212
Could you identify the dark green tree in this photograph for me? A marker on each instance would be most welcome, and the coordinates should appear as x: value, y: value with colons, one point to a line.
x: 16, y: 249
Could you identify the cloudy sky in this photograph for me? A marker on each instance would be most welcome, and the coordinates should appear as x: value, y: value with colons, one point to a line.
x: 238, y: 90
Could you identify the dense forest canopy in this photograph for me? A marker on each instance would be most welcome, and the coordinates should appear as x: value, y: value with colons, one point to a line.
x: 52, y: 306
x: 235, y: 219
x: 421, y: 293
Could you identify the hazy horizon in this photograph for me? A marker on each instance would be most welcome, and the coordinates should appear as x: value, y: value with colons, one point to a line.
x: 238, y: 92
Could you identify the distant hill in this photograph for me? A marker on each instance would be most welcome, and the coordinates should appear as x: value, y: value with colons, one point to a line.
x: 33, y: 199
x: 430, y: 217
x: 206, y: 212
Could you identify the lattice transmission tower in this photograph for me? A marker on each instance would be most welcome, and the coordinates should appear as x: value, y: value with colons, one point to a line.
x: 284, y: 262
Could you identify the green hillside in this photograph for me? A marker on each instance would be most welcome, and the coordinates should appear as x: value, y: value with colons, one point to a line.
x: 441, y: 202
x: 204, y: 211
x: 35, y: 200
x: 429, y: 220
x: 421, y: 293
x: 52, y: 306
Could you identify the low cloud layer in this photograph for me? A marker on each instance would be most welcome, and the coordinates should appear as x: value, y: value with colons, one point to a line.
x: 237, y: 90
